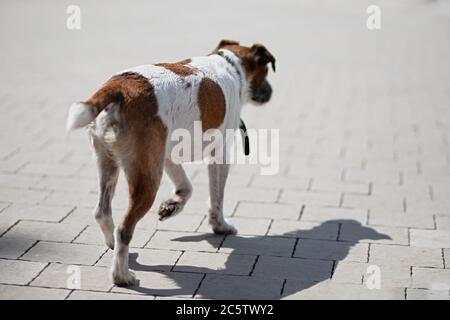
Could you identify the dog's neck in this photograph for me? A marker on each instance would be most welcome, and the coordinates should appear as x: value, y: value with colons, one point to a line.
x: 233, y: 61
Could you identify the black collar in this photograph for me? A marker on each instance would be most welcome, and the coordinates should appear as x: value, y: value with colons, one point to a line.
x: 236, y: 68
x: 242, y: 127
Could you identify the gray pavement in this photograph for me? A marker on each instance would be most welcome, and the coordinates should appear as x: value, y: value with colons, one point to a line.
x: 360, y: 208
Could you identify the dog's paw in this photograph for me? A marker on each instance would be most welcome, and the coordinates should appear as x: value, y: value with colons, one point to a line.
x: 126, y: 279
x: 223, y: 228
x: 169, y: 209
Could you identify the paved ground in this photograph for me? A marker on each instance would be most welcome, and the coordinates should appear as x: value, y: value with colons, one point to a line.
x: 364, y: 174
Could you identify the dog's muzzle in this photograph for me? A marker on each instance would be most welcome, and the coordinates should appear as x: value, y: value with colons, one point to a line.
x: 263, y: 94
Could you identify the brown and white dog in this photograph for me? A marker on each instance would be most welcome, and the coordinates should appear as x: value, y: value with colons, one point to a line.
x: 132, y: 115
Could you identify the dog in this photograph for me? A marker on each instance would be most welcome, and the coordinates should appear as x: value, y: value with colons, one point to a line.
x: 131, y: 117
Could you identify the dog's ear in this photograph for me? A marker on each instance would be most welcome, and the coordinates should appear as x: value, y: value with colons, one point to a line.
x: 224, y: 43
x: 261, y: 55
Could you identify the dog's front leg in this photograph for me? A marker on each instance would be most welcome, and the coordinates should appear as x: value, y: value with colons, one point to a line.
x: 183, y: 191
x: 218, y: 174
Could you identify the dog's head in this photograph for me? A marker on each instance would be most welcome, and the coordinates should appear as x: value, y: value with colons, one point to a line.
x: 254, y: 61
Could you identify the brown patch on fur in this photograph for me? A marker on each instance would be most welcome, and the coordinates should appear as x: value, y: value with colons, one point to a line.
x: 180, y: 69
x: 119, y: 89
x: 211, y: 102
x: 252, y: 69
x: 225, y: 42
x: 251, y: 60
x: 139, y: 144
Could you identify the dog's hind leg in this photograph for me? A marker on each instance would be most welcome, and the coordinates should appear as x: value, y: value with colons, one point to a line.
x: 143, y: 185
x: 183, y: 191
x: 142, y: 165
x: 108, y: 172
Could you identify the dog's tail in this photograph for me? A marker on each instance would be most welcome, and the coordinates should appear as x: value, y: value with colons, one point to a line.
x: 83, y: 113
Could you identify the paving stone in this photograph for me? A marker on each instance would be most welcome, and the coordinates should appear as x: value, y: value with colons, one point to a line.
x: 94, y: 235
x: 331, y: 250
x: 65, y: 184
x: 271, y: 246
x: 430, y: 278
x: 271, y: 210
x: 337, y: 185
x: 391, y: 274
x: 333, y: 214
x: 4, y: 205
x: 372, y: 234
x: 401, y: 219
x: 14, y: 248
x: 302, y: 172
x: 186, y: 223
x: 81, y: 216
x: 46, y: 169
x: 10, y: 166
x: 245, y: 226
x: 22, y: 196
x: 424, y: 294
x: 234, y: 180
x: 91, y: 295
x: 64, y: 277
x: 176, y: 298
x: 372, y: 176
x: 280, y: 182
x: 18, y: 181
x: 430, y: 238
x: 336, y: 291
x: 47, y: 231
x: 7, y: 224
x: 304, y: 229
x: 351, y: 167
x: 170, y: 240
x: 175, y: 284
x: 68, y: 253
x: 11, y: 292
x: 237, y: 288
x: 37, y: 212
x: 203, y: 262
x: 251, y: 194
x: 447, y: 257
x: 349, y: 272
x: 201, y: 206
x: 374, y: 203
x: 292, y: 268
x: 310, y: 198
x: 425, y: 204
x: 145, y: 259
x: 19, y: 272
x: 443, y: 222
x: 408, y: 256
x: 83, y: 200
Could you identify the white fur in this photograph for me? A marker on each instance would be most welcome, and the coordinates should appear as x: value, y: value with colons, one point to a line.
x: 178, y: 106
x: 79, y: 116
x: 120, y: 271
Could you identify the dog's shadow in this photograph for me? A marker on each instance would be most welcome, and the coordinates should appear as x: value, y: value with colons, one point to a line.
x: 184, y: 286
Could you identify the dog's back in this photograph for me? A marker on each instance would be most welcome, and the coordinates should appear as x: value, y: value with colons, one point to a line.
x: 197, y: 89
